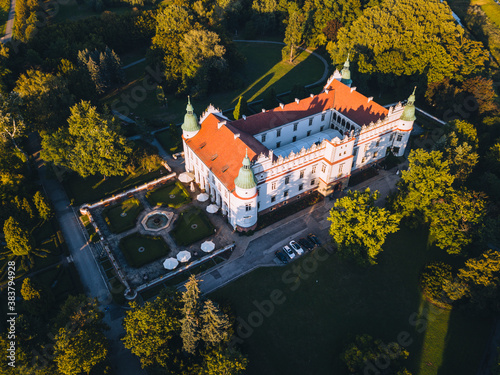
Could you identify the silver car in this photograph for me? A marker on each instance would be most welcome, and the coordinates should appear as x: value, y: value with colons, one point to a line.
x: 294, y: 245
x: 289, y: 252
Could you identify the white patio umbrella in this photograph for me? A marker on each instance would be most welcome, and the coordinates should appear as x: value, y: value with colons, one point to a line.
x: 183, y: 256
x: 207, y: 246
x: 186, y: 177
x: 203, y: 197
x: 170, y: 263
x: 212, y: 209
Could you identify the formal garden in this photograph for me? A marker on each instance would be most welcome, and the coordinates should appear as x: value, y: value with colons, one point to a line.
x: 140, y: 250
x: 172, y: 195
x: 123, y: 216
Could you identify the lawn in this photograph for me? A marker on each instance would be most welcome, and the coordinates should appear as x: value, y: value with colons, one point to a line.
x: 172, y: 195
x: 170, y: 139
x: 94, y: 188
x: 334, y: 300
x: 191, y: 226
x: 122, y: 216
x: 152, y: 248
x: 263, y: 69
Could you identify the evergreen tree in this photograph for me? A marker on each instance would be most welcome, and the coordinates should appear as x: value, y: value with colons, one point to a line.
x: 214, y: 324
x: 240, y: 109
x: 269, y: 99
x: 190, y: 329
x: 294, y: 31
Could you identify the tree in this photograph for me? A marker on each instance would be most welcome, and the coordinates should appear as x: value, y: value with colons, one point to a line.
x: 359, y: 228
x: 28, y: 290
x: 18, y: 239
x: 151, y: 162
x: 269, y: 99
x: 214, y: 324
x: 43, y: 207
x: 456, y: 220
x: 493, y: 157
x: 433, y: 279
x: 435, y: 45
x: 294, y: 31
x: 427, y: 179
x: 240, y: 109
x: 12, y: 125
x: 202, y: 55
x: 478, y: 282
x: 90, y: 145
x: 190, y: 329
x: 151, y: 329
x: 45, y: 99
x: 223, y: 362
x: 366, y: 351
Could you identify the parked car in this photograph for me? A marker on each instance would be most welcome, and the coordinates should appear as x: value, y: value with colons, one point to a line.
x: 294, y: 245
x: 289, y: 252
x: 314, y: 239
x: 306, y: 244
x: 281, y: 256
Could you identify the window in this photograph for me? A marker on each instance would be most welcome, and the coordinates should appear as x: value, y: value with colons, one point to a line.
x: 375, y: 154
x: 312, y: 181
x: 323, y: 168
x: 273, y: 186
x: 258, y: 205
x: 321, y: 128
x: 248, y: 207
x: 302, y: 173
x: 278, y: 133
x: 313, y: 169
x: 323, y: 116
x: 263, y: 137
x: 396, y: 150
x: 258, y: 191
x: 310, y: 121
x: 294, y: 138
x: 400, y: 137
x: 363, y: 160
x: 287, y: 180
x: 366, y: 147
x: 354, y: 152
x: 378, y: 143
x: 285, y: 193
x: 391, y: 137
x: 301, y: 186
x: 278, y: 144
x: 308, y: 133
x: 295, y: 126
x: 273, y: 198
x: 341, y: 167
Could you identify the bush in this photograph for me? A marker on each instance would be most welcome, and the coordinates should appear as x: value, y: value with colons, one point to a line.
x: 432, y: 280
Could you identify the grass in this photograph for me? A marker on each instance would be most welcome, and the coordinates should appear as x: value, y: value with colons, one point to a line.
x: 170, y: 139
x: 263, y: 69
x: 172, y: 195
x: 191, y: 226
x: 4, y: 15
x: 94, y: 188
x: 114, y: 215
x: 333, y: 300
x: 60, y: 280
x: 154, y: 248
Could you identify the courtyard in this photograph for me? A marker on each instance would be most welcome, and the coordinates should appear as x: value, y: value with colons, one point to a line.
x: 145, y: 227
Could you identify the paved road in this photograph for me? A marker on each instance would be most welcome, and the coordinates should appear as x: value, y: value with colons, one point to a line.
x: 10, y: 23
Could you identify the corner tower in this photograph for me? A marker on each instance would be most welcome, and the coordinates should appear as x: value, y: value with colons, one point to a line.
x: 405, y: 125
x: 244, y: 203
x: 190, y: 126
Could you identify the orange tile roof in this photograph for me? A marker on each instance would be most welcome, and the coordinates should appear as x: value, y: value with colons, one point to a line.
x: 221, y: 151
x: 351, y: 104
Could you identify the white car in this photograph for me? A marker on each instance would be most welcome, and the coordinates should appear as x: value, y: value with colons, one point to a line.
x: 289, y: 252
x: 294, y: 245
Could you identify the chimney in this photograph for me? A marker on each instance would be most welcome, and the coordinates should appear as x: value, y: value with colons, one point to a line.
x: 237, y: 135
x: 282, y: 105
x: 297, y: 101
x: 312, y: 95
x: 370, y: 99
x: 353, y: 89
x: 327, y: 91
x: 244, y: 117
x: 263, y: 109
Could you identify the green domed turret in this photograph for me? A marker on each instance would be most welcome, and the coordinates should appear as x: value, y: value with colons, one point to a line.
x: 346, y: 73
x: 190, y: 123
x: 246, y: 178
x: 409, y: 111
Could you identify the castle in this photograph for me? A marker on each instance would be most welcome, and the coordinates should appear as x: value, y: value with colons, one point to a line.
x: 260, y: 162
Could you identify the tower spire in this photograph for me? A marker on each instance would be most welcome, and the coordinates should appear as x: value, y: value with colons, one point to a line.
x: 190, y: 125
x: 346, y: 73
x: 409, y: 110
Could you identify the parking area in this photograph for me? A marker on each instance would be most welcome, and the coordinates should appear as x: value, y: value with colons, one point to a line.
x: 296, y: 248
